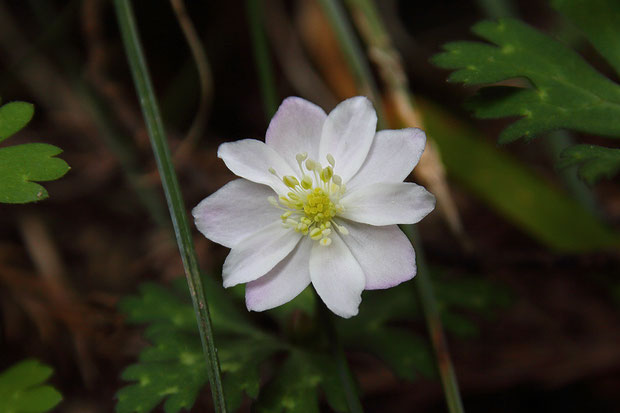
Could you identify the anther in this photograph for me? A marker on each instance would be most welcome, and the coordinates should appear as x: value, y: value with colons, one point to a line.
x: 325, y: 242
x: 306, y: 182
x: 326, y: 174
x: 331, y: 160
x: 290, y: 181
x: 301, y: 157
x: 337, y: 180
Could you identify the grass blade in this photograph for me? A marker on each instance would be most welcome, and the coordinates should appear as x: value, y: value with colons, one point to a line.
x: 172, y: 191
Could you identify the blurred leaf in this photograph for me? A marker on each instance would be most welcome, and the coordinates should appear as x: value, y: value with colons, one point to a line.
x: 22, y: 389
x: 473, y: 295
x: 295, y: 386
x: 376, y: 329
x: 594, y: 162
x: 403, y: 351
x: 13, y: 117
x: 22, y: 165
x: 172, y: 370
x: 566, y: 92
x: 513, y: 190
x: 600, y: 21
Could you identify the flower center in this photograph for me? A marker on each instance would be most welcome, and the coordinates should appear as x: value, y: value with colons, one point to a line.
x: 312, y: 203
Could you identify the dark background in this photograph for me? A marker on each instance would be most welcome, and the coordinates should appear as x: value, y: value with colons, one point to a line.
x: 65, y: 262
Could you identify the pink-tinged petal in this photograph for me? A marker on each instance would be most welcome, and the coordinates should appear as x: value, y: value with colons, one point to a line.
x: 384, y: 253
x: 295, y: 128
x: 284, y: 282
x: 388, y: 204
x: 235, y: 211
x: 337, y: 277
x: 392, y: 156
x: 258, y: 254
x: 251, y: 159
x: 347, y: 135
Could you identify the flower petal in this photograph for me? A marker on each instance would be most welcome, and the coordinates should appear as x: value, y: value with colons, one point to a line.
x: 235, y: 211
x: 347, y: 135
x: 258, y: 254
x: 337, y: 277
x: 384, y: 253
x: 296, y: 127
x: 283, y: 283
x: 388, y: 204
x: 251, y: 159
x: 392, y: 156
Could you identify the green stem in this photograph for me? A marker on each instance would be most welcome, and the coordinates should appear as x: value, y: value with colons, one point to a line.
x: 342, y: 366
x: 172, y: 191
x: 354, y: 55
x: 389, y: 65
x: 433, y: 322
x: 261, y: 57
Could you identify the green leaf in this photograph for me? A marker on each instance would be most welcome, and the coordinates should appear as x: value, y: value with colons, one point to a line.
x: 595, y: 162
x: 171, y: 370
x: 296, y: 385
x: 513, y: 190
x: 374, y: 330
x: 13, y: 117
x: 23, y: 165
x: 22, y: 389
x: 600, y: 21
x: 566, y: 92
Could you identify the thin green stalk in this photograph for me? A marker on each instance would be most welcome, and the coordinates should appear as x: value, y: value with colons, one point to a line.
x: 354, y: 54
x: 342, y: 366
x: 261, y: 56
x: 172, y: 191
x: 424, y: 288
x: 387, y: 58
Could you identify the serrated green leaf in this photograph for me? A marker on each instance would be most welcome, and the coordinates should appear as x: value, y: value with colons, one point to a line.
x: 600, y: 21
x: 22, y: 166
x: 22, y: 389
x: 513, y: 190
x: 13, y: 117
x: 296, y: 386
x: 566, y: 92
x: 594, y: 162
x: 172, y: 370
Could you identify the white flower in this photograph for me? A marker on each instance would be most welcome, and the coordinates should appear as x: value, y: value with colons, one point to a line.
x: 318, y: 202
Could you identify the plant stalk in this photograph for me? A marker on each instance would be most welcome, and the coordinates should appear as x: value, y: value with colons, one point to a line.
x: 157, y: 135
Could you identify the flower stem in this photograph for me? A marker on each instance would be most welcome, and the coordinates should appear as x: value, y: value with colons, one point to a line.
x: 346, y: 377
x: 261, y: 57
x: 157, y: 135
x: 388, y: 61
x: 433, y: 322
x: 354, y: 55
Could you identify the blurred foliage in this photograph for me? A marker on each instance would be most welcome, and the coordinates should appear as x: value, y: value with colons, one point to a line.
x: 594, y: 162
x: 22, y: 165
x: 176, y: 357
x: 22, y: 388
x: 565, y: 92
x: 172, y: 369
x: 525, y: 198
